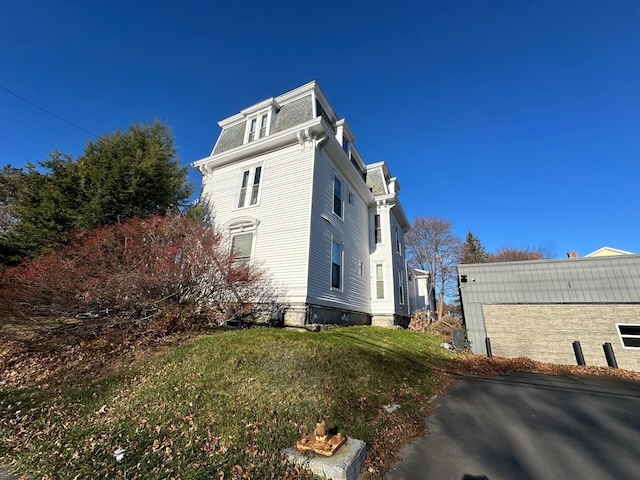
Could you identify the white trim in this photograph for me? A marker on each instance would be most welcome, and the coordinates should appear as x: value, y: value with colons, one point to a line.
x: 621, y: 336
x: 257, y: 117
x: 248, y: 193
x: 253, y: 235
x: 372, y: 231
x: 257, y: 147
x: 615, y: 251
x: 241, y: 224
x: 376, y: 280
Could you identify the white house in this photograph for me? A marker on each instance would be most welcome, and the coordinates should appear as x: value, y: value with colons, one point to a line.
x: 421, y: 295
x: 287, y: 183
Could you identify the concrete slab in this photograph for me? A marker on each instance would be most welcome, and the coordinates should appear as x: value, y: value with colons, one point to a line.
x: 345, y: 464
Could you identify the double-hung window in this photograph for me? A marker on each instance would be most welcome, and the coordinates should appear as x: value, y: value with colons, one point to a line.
x: 252, y: 129
x: 337, y: 196
x: 379, y: 281
x: 401, y: 296
x: 336, y: 264
x: 257, y: 127
x: 250, y: 186
x: 263, y: 125
x: 377, y: 229
x: 346, y: 145
x: 242, y: 245
x: 398, y: 243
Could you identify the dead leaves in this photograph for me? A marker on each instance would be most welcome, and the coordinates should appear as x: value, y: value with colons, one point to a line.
x: 485, y: 366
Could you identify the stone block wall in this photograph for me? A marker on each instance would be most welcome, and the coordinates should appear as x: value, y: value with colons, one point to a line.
x: 546, y: 332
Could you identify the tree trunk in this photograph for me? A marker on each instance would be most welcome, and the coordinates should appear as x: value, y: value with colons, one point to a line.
x: 441, y: 299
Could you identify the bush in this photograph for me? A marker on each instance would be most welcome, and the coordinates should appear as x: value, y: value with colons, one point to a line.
x: 421, y: 322
x: 445, y: 326
x: 143, y: 268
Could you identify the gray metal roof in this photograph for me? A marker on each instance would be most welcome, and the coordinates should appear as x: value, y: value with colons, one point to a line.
x: 575, y: 280
x: 613, y: 279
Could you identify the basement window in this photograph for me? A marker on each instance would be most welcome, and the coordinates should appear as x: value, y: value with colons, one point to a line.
x: 629, y: 335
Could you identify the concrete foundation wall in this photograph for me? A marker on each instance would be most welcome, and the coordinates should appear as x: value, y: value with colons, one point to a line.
x: 314, y: 314
x: 390, y: 321
x: 547, y: 332
x: 294, y: 317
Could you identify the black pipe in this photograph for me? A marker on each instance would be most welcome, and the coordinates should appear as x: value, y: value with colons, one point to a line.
x: 608, y: 352
x: 487, y: 342
x: 577, y: 349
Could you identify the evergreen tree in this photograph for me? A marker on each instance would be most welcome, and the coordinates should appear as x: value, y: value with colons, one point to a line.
x: 473, y: 251
x: 135, y: 173
x: 131, y: 174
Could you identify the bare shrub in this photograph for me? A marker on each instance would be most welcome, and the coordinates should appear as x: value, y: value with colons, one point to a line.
x: 421, y: 322
x: 143, y: 268
x: 445, y: 326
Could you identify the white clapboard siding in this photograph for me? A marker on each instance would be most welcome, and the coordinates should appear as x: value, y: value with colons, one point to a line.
x: 383, y: 254
x: 400, y: 305
x: 282, y: 238
x: 353, y: 231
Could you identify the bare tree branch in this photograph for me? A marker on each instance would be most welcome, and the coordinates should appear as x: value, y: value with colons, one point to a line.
x: 433, y: 247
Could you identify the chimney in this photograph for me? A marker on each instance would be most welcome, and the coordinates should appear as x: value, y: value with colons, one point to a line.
x: 572, y: 254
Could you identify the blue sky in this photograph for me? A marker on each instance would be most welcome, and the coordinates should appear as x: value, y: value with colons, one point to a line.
x: 519, y: 121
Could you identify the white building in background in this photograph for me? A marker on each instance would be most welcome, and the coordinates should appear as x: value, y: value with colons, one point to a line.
x: 287, y: 183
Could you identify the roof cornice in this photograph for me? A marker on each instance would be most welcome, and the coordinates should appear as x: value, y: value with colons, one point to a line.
x: 345, y: 125
x: 270, y: 142
x: 276, y: 103
x: 296, y: 92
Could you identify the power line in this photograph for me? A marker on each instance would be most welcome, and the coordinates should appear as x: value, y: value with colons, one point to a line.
x: 47, y: 111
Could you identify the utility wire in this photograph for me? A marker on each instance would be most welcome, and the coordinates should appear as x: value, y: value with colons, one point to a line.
x: 47, y: 111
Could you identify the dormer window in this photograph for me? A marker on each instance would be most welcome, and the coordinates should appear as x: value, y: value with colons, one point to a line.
x: 252, y: 129
x: 258, y: 126
x: 346, y: 145
x: 263, y: 125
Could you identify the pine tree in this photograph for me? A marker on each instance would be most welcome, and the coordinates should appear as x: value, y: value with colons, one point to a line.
x: 473, y: 251
x: 122, y: 175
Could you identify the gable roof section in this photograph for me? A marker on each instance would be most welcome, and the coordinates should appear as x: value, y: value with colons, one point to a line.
x: 608, y: 251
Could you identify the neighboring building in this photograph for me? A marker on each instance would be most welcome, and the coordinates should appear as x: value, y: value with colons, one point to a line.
x: 538, y: 308
x: 287, y: 183
x: 608, y: 252
x: 421, y: 294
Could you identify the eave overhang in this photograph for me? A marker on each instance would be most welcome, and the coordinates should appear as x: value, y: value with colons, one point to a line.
x: 393, y: 201
x: 313, y: 128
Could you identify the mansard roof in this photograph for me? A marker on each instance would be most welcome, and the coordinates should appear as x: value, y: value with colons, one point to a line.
x: 289, y: 109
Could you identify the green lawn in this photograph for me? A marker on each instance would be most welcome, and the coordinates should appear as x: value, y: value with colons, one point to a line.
x: 220, y: 405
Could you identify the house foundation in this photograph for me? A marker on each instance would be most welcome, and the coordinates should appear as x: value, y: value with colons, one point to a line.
x: 316, y: 314
x: 390, y: 321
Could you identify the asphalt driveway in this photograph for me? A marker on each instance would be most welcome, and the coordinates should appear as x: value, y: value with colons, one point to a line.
x: 528, y: 426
